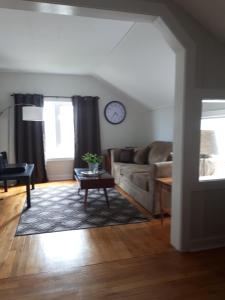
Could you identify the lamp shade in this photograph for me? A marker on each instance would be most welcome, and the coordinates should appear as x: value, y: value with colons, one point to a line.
x: 32, y: 113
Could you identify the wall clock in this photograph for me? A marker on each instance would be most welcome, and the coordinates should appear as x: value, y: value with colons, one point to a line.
x: 115, y: 112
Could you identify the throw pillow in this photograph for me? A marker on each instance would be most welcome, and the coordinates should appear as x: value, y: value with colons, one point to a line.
x: 127, y: 155
x: 141, y: 155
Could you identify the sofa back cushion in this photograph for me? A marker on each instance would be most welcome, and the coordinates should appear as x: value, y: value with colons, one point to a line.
x: 127, y: 155
x: 141, y: 155
x: 159, y: 152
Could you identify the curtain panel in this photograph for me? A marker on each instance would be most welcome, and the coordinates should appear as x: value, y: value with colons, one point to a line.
x: 86, y: 128
x: 29, y: 136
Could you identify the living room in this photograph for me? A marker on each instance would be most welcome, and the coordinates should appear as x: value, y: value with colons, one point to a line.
x: 143, y: 100
x: 99, y: 66
x: 143, y: 123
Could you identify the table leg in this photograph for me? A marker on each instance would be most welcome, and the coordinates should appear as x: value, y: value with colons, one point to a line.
x: 106, y: 196
x: 85, y: 198
x: 161, y: 205
x: 32, y: 183
x: 28, y: 193
x: 32, y: 179
x: 5, y: 186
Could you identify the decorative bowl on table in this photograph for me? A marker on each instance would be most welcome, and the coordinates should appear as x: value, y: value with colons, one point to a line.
x: 92, y: 174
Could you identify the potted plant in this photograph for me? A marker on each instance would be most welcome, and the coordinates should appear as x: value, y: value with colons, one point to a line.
x: 93, y: 161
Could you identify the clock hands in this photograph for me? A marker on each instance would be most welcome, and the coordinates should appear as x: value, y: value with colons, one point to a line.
x: 115, y: 114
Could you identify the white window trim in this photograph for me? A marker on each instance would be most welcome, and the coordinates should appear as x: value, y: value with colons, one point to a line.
x: 52, y: 99
x: 210, y: 114
x: 69, y: 102
x: 60, y: 159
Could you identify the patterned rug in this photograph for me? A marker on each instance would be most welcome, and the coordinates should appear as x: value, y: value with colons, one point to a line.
x: 62, y: 208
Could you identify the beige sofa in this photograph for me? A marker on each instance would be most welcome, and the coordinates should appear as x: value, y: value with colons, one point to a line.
x: 138, y: 179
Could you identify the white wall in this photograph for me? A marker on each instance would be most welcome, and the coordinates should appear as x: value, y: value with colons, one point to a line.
x: 162, y: 124
x: 130, y: 132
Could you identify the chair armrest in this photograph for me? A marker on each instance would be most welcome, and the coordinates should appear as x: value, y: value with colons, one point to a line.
x: 163, y: 169
x: 115, y: 155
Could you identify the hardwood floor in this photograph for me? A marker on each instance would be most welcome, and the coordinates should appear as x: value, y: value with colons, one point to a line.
x: 132, y: 261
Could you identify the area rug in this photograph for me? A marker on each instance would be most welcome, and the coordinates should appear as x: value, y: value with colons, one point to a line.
x: 61, y: 208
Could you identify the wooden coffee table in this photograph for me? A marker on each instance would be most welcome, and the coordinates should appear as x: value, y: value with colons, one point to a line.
x: 102, y: 181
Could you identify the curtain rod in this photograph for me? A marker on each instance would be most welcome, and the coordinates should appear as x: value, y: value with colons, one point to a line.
x: 51, y: 96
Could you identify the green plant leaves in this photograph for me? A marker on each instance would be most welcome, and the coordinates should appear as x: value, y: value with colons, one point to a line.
x: 92, y: 158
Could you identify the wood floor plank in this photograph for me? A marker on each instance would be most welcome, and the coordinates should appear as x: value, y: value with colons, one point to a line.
x: 47, y: 252
x: 173, y: 275
x: 133, y: 261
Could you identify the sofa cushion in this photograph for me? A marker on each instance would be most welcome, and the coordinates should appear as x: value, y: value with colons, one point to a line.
x: 141, y: 155
x: 128, y: 169
x: 124, y: 169
x: 160, y: 151
x: 141, y: 180
x: 127, y: 155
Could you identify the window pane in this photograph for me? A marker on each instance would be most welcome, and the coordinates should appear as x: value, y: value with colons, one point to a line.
x: 212, y: 146
x: 59, y: 129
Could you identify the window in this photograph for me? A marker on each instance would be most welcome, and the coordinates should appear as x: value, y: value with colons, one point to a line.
x: 59, y: 128
x: 212, y: 146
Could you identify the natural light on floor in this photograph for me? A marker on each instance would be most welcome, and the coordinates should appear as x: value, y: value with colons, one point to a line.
x: 59, y: 129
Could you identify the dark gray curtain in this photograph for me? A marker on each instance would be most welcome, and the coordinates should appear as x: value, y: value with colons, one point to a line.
x: 86, y: 127
x: 29, y: 139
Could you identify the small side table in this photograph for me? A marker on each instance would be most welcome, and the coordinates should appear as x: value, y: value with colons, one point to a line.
x: 163, y: 184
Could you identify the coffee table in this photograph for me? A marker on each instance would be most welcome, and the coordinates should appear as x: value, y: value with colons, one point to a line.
x: 101, y: 181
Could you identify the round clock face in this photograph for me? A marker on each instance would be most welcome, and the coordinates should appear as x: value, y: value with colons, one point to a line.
x: 115, y: 112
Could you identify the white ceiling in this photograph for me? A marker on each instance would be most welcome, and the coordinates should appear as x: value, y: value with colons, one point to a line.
x: 56, y: 44
x: 143, y: 66
x: 210, y: 13
x: 131, y: 56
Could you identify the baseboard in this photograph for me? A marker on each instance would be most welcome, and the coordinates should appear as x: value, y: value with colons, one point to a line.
x: 60, y: 177
x: 208, y: 243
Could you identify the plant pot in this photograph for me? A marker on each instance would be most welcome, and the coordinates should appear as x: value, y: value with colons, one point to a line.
x: 93, y: 167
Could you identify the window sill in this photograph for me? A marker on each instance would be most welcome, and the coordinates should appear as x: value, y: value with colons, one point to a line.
x: 59, y: 159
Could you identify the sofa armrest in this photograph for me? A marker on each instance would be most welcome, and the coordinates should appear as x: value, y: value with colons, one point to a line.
x: 115, y: 155
x: 157, y: 170
x: 163, y: 169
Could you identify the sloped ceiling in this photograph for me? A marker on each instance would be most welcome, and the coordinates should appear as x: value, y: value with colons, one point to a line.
x: 36, y: 42
x: 209, y: 13
x: 133, y: 57
x: 143, y: 66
